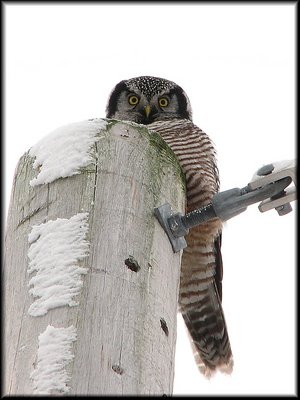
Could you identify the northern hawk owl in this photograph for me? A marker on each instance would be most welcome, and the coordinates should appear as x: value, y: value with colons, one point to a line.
x: 164, y: 107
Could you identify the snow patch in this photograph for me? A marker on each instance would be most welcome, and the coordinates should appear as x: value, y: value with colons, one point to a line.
x: 65, y: 150
x: 55, y: 249
x: 54, y: 354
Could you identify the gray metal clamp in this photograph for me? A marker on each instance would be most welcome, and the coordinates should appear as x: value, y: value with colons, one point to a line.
x: 267, y: 186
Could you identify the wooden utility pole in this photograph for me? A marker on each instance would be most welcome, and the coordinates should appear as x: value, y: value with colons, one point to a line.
x: 112, y: 329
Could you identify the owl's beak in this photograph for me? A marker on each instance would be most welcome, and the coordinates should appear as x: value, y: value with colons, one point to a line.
x: 147, y: 111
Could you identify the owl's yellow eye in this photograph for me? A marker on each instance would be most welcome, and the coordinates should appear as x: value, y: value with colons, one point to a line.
x: 133, y: 100
x: 163, y: 102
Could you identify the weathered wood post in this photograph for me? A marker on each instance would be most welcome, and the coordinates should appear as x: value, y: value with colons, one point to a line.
x: 91, y: 281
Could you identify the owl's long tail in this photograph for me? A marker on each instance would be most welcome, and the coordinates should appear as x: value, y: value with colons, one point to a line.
x: 200, y: 305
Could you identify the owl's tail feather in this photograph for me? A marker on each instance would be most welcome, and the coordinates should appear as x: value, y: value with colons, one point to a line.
x: 208, y: 333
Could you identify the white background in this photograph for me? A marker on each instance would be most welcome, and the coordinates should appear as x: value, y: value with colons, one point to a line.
x: 237, y: 64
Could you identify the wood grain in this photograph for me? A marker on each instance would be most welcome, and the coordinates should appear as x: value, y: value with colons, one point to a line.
x: 122, y: 346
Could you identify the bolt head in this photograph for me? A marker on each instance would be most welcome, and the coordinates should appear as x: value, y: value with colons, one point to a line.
x: 265, y: 170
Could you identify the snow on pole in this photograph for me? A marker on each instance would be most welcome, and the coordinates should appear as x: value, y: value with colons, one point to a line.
x: 64, y: 151
x: 54, y: 354
x: 55, y: 249
x: 88, y: 266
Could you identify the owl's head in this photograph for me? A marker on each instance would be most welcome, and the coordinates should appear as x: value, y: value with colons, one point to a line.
x: 147, y: 99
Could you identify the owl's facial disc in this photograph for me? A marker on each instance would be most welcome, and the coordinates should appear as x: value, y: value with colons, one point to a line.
x: 145, y: 110
x: 135, y: 106
x: 148, y: 99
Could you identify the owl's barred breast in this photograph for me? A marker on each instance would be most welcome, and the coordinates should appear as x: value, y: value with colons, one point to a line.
x: 201, y: 271
x: 196, y: 155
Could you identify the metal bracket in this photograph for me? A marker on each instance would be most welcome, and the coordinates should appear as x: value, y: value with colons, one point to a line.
x: 163, y: 214
x: 268, y: 185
